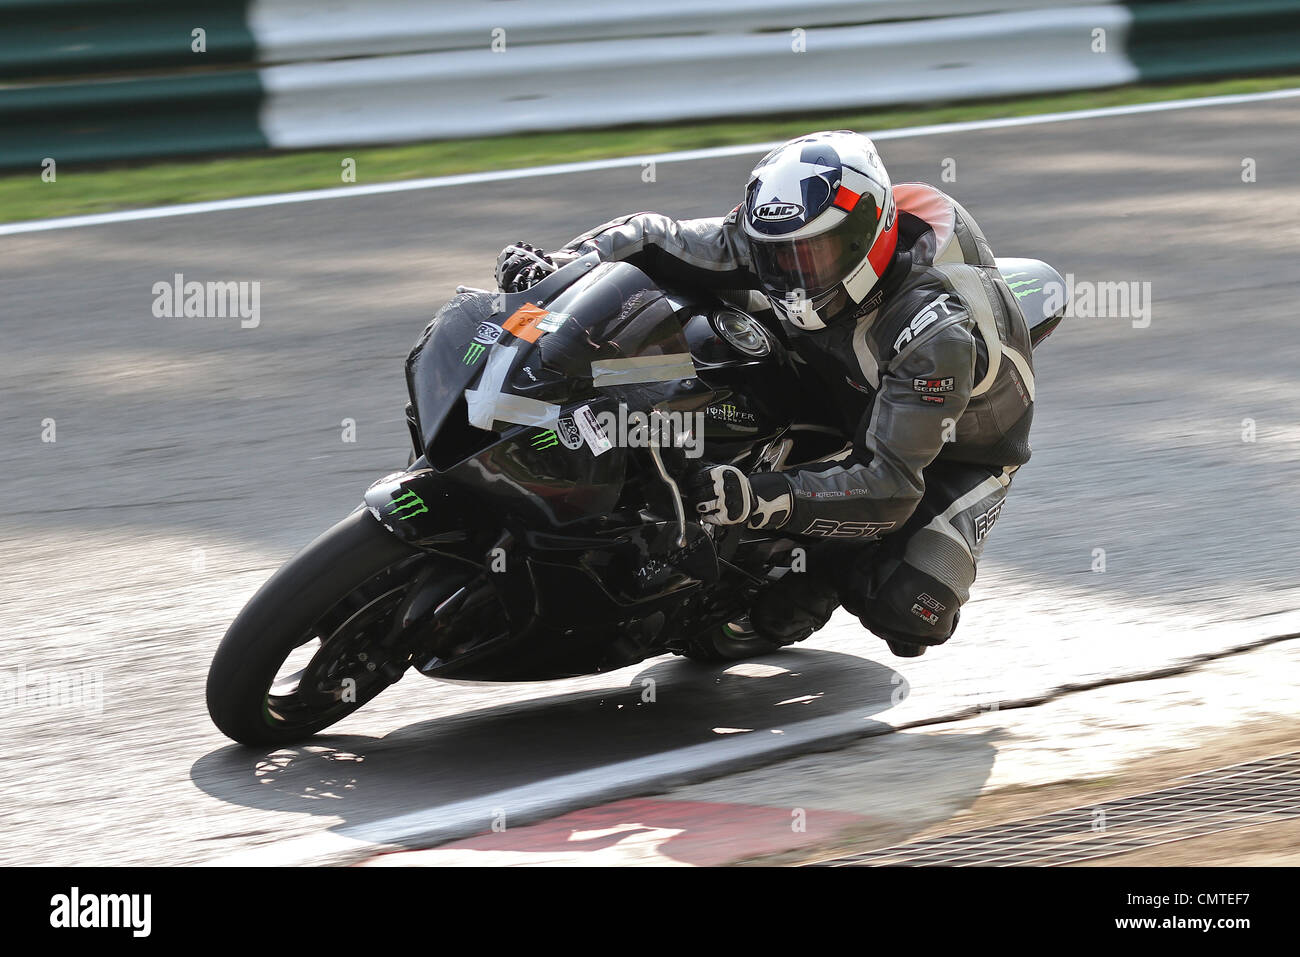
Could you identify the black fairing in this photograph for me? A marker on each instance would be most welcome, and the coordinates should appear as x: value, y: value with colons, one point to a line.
x: 596, y: 577
x: 614, y: 312
x: 749, y: 399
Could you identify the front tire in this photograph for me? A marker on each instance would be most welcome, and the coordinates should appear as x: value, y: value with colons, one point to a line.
x: 340, y: 591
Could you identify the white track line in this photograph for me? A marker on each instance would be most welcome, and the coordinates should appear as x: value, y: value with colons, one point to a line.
x: 559, y: 169
x: 547, y: 798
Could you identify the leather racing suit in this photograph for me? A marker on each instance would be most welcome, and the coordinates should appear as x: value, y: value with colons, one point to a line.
x: 930, y: 380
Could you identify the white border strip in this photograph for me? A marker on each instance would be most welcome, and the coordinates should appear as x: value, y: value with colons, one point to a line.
x: 539, y: 800
x: 560, y: 169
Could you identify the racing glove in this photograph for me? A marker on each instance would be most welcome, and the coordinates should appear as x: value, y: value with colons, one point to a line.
x: 724, y: 495
x: 521, y: 266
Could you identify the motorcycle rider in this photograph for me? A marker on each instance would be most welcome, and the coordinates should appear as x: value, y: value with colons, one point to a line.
x: 908, y: 337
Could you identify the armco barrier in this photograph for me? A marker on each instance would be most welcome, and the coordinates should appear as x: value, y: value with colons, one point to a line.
x: 59, y: 38
x: 99, y: 80
x: 287, y: 31
x: 477, y: 92
x: 1172, y: 40
x: 130, y: 119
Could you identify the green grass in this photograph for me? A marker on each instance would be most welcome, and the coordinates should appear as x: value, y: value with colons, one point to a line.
x: 99, y: 189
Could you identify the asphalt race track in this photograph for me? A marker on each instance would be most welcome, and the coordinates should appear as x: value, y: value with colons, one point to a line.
x: 192, y: 457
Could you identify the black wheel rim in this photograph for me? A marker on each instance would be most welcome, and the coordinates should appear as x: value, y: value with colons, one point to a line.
x: 343, y: 671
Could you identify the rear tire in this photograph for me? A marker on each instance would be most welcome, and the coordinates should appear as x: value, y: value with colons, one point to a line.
x: 340, y: 590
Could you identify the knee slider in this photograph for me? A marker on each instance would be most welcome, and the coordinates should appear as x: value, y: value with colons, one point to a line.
x: 912, y: 606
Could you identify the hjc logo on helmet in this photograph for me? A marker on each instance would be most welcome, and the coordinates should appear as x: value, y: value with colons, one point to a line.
x: 778, y: 212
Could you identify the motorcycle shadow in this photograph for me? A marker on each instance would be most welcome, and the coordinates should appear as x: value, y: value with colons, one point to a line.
x: 667, y: 705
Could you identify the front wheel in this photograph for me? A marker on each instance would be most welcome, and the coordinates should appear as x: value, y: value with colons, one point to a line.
x: 305, y: 652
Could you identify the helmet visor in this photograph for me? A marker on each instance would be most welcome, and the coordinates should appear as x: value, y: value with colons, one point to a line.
x: 815, y: 265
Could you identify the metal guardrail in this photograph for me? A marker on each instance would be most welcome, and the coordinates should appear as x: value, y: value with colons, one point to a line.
x: 98, y: 80
x: 62, y: 38
x: 293, y: 30
x: 659, y: 79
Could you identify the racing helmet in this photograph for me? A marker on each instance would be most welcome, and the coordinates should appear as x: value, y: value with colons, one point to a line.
x: 822, y: 227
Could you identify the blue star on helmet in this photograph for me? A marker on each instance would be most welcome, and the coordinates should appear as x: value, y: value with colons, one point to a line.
x: 787, y: 183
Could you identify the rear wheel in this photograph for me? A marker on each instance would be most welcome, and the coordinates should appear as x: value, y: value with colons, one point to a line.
x: 305, y: 651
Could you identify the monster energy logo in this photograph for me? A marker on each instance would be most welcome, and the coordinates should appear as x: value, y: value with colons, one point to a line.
x: 406, y: 505
x: 472, y: 353
x: 545, y: 440
x: 728, y: 412
x: 1015, y: 286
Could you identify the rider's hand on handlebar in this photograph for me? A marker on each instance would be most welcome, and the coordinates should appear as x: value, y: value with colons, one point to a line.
x: 720, y: 495
x: 522, y: 265
x: 724, y: 495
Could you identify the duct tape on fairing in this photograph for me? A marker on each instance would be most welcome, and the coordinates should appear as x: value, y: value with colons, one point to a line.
x: 665, y: 368
x: 489, y: 404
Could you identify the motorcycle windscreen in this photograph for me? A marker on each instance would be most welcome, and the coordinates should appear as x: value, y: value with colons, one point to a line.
x: 476, y: 371
x: 447, y: 358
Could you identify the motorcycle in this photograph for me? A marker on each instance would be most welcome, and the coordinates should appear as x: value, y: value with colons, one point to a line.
x: 522, y: 542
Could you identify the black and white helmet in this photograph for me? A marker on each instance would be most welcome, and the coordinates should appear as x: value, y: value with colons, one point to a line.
x: 822, y: 228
